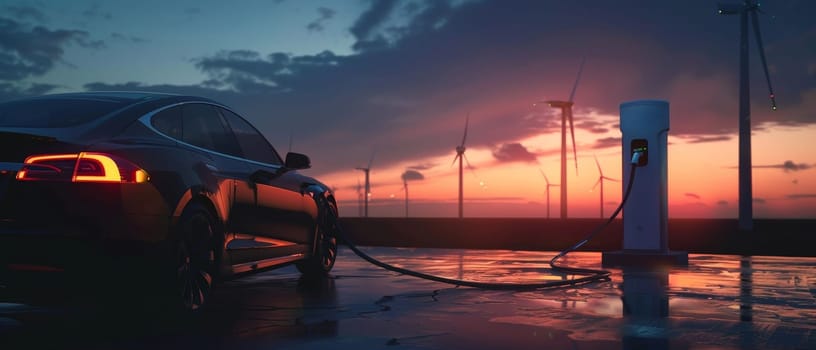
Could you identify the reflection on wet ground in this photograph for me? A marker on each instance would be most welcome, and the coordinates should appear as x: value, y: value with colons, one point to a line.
x: 717, y: 302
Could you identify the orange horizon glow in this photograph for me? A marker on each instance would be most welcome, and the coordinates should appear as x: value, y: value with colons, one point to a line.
x: 702, y: 179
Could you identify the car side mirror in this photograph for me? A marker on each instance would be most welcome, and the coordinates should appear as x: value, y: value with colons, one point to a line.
x: 297, y: 161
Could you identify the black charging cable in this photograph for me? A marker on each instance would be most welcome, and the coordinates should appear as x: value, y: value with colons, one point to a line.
x: 589, y: 275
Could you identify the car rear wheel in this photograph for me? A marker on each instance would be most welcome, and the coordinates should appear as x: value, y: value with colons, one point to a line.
x: 194, y: 258
x: 325, y: 252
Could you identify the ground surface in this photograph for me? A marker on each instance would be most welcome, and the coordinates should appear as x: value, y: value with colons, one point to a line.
x: 718, y: 302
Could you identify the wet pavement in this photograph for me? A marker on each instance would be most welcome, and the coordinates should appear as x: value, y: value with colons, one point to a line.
x: 717, y: 302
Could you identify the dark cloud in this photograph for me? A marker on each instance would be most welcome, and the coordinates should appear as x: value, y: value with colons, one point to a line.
x: 801, y: 196
x: 692, y: 195
x: 95, y: 12
x: 787, y: 166
x: 704, y: 138
x: 759, y: 200
x: 27, y: 51
x: 423, y: 166
x: 248, y: 71
x: 412, y: 175
x: 607, y: 142
x: 128, y: 38
x: 513, y: 152
x: 722, y: 202
x: 324, y: 14
x: 372, y: 18
x: 25, y: 13
x: 592, y: 126
x: 380, y: 26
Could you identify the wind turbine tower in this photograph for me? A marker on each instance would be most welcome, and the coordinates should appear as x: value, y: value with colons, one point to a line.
x: 405, y: 187
x: 749, y: 7
x: 600, y: 181
x: 359, y: 198
x: 367, y: 170
x: 460, y: 153
x: 566, y: 115
x: 547, y: 180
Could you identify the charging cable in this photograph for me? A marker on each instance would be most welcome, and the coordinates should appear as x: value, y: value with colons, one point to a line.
x: 589, y: 275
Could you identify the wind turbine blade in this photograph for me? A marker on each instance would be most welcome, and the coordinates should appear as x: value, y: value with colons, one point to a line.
x: 464, y: 138
x: 371, y: 160
x: 611, y: 179
x: 598, y: 164
x: 755, y: 21
x: 467, y: 162
x: 471, y: 168
x: 596, y: 184
x: 572, y: 133
x: 574, y: 87
x: 455, y: 158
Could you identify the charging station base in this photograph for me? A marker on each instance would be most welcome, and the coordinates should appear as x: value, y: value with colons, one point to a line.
x: 644, y: 258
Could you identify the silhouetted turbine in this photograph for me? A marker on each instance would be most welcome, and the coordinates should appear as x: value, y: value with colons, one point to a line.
x: 746, y: 210
x: 566, y: 115
x: 600, y: 181
x: 547, y: 180
x: 460, y: 153
x: 367, y: 170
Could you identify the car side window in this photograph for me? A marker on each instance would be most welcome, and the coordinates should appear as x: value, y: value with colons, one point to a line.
x: 203, y: 126
x: 168, y: 122
x: 253, y: 144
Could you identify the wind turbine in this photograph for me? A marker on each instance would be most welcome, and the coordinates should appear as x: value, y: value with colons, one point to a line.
x: 746, y: 220
x: 405, y: 187
x: 460, y: 153
x: 359, y: 198
x: 566, y: 115
x: 546, y: 179
x: 600, y: 181
x: 367, y: 170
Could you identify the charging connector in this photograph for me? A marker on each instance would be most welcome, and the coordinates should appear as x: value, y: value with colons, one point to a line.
x: 636, y: 155
x: 640, y: 152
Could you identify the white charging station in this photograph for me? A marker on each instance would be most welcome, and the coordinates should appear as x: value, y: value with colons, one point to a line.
x: 645, y: 127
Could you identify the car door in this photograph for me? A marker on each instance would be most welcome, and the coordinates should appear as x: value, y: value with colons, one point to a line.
x: 278, y: 217
x: 215, y: 164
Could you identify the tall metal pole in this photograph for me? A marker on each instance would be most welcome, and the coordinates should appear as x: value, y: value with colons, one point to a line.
x: 367, y: 191
x: 602, y: 216
x: 405, y: 185
x: 461, y: 197
x: 563, y: 163
x: 746, y: 221
x: 548, y: 201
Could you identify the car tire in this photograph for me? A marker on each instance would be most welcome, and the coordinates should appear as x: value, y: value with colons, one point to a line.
x: 325, y: 250
x: 193, y: 259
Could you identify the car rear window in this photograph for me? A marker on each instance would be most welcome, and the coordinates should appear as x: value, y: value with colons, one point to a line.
x: 56, y: 113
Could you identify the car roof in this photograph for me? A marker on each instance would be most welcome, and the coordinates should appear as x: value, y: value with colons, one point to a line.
x: 133, y: 103
x: 123, y: 96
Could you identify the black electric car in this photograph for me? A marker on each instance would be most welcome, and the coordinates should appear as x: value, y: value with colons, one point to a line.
x: 180, y: 188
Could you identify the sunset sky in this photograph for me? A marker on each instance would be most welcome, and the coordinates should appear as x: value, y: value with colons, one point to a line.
x: 348, y: 79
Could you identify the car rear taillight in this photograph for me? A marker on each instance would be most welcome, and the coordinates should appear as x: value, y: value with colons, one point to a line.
x: 82, y: 167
